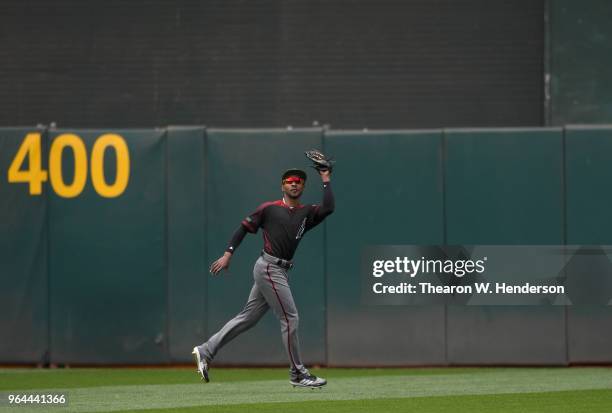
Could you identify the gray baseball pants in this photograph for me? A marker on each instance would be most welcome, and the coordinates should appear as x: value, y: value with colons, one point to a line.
x: 270, y: 290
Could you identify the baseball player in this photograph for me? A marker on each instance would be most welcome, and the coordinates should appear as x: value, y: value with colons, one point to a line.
x: 283, y: 223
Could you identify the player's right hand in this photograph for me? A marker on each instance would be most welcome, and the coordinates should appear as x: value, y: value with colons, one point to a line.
x: 221, y: 264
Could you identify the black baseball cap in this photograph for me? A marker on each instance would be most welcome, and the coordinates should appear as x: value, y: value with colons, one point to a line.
x: 294, y: 172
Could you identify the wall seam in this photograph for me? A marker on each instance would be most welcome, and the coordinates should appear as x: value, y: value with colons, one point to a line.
x: 165, y: 139
x: 443, y: 149
x: 325, y: 277
x: 205, y: 190
x: 47, y: 354
x: 564, y: 229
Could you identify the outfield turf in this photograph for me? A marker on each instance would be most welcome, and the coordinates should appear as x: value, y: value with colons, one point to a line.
x: 471, y: 390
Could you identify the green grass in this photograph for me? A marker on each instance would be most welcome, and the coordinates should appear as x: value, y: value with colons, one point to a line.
x: 11, y: 379
x: 471, y: 390
x: 592, y: 401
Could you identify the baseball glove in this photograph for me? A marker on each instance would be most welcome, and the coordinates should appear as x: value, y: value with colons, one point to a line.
x: 320, y: 162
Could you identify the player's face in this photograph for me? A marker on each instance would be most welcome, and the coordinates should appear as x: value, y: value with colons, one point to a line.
x: 293, y: 187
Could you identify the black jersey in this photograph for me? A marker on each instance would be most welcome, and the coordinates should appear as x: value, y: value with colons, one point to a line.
x: 284, y: 226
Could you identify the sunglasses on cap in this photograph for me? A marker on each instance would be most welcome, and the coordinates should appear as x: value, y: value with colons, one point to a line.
x: 292, y: 179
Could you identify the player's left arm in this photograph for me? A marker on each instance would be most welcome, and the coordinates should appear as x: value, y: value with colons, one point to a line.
x: 329, y: 204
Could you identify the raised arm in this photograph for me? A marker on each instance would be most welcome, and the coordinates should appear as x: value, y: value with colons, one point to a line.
x: 328, y: 204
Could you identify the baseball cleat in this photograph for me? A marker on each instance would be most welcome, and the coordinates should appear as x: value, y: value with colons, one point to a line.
x: 201, y: 364
x: 308, y: 380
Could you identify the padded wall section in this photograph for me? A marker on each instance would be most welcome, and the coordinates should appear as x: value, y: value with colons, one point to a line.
x: 108, y: 258
x: 588, y: 158
x: 389, y: 190
x: 23, y: 257
x: 187, y: 270
x: 505, y: 187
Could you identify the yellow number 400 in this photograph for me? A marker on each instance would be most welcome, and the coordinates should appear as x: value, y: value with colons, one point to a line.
x: 34, y: 175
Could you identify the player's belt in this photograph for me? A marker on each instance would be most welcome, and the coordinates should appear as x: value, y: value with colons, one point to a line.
x: 278, y: 261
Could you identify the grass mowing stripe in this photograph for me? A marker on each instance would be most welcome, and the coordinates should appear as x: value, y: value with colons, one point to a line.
x: 504, y: 381
x: 592, y: 401
x: 13, y: 379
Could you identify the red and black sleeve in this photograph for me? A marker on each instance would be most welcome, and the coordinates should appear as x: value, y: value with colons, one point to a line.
x: 320, y: 212
x: 236, y: 239
x: 250, y: 224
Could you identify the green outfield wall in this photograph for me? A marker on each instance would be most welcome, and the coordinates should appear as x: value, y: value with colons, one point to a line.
x: 106, y: 237
x: 24, y: 292
x: 394, y: 190
x: 587, y: 177
x: 504, y: 187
